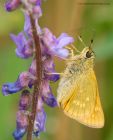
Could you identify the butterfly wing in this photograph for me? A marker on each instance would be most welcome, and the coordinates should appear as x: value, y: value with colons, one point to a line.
x: 81, y: 100
x: 96, y: 118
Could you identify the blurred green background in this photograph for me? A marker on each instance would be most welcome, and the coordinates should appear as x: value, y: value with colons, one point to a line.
x: 75, y: 17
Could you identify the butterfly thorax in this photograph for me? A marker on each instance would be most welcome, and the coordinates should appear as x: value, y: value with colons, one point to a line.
x: 79, y: 65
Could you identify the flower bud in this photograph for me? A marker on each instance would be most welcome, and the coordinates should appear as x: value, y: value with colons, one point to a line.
x: 25, y: 100
x: 12, y: 5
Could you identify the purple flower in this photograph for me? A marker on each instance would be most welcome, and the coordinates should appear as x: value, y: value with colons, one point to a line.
x: 33, y: 7
x: 25, y: 100
x: 19, y: 133
x: 50, y: 100
x: 21, y: 125
x: 9, y: 88
x: 37, y: 2
x: 32, y: 68
x: 49, y: 69
x: 39, y: 122
x: 39, y: 125
x: 56, y: 46
x: 21, y: 119
x: 37, y: 11
x: 47, y: 95
x: 12, y: 5
x: 27, y: 25
x: 24, y: 47
x: 24, y: 80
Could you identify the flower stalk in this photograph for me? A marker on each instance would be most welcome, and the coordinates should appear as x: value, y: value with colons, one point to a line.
x: 37, y: 83
x: 42, y: 45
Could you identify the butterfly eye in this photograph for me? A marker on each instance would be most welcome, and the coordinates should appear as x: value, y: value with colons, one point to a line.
x: 88, y: 54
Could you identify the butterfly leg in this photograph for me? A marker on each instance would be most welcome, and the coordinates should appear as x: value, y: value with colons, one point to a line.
x: 71, y: 51
x: 54, y: 73
x: 74, y: 48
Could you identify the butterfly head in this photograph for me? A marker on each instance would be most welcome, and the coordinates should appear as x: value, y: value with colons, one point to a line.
x: 87, y: 53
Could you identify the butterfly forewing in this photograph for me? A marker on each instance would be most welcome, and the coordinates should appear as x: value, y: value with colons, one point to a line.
x: 81, y: 103
x: 65, y: 90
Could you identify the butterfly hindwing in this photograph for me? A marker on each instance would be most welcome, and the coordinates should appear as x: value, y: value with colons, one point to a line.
x: 83, y: 101
x: 96, y: 119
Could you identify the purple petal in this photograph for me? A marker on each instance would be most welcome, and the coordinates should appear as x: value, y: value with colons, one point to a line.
x: 64, y: 40
x: 52, y: 77
x: 44, y: 48
x: 24, y: 79
x: 24, y: 47
x: 32, y: 68
x: 25, y: 100
x: 47, y: 95
x: 27, y: 25
x: 48, y: 63
x: 40, y: 103
x: 62, y: 36
x: 19, y: 40
x: 19, y: 133
x: 48, y: 38
x: 21, y: 120
x: 56, y: 46
x: 10, y: 88
x: 37, y: 11
x: 37, y: 2
x: 12, y: 5
x: 40, y: 121
x: 21, y: 127
x: 62, y: 53
x: 50, y: 100
x: 49, y: 68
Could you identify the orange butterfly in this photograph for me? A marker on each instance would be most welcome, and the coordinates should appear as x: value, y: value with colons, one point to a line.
x: 78, y: 93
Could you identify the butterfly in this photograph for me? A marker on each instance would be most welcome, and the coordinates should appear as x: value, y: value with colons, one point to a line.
x: 78, y: 93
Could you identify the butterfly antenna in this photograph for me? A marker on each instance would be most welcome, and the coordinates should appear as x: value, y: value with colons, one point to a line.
x: 80, y: 38
x: 90, y: 46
